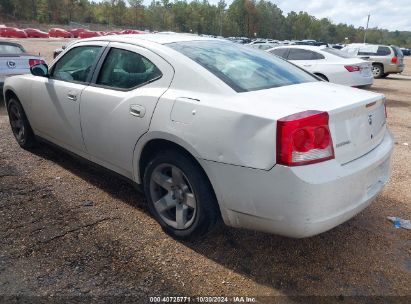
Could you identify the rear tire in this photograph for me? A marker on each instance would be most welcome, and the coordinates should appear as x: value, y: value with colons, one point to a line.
x: 384, y: 75
x: 20, y: 125
x: 377, y: 70
x: 180, y: 196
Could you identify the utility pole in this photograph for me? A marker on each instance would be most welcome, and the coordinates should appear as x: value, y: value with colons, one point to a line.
x: 365, y: 32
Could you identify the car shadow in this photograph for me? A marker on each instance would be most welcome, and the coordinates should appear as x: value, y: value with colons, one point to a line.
x: 331, y: 263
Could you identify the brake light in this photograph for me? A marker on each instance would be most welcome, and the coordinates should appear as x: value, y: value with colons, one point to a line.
x: 35, y: 61
x: 352, y: 68
x: 304, y: 138
x: 394, y: 59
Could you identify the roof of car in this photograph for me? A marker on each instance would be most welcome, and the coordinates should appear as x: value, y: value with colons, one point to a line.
x: 160, y: 38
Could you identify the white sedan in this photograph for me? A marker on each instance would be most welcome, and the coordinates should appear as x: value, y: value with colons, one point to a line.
x: 210, y: 130
x: 329, y: 64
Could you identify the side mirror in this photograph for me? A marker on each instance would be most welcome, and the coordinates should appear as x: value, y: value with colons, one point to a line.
x: 41, y: 70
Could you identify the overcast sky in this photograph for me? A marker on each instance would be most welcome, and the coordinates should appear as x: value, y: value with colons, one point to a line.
x: 389, y: 14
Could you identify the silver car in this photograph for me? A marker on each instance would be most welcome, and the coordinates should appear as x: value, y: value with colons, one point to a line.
x: 385, y: 59
x: 15, y: 61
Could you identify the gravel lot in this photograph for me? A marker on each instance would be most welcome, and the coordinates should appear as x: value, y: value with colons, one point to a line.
x: 71, y: 229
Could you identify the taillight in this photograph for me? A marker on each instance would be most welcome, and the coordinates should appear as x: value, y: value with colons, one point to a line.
x: 35, y: 61
x: 352, y: 68
x: 304, y: 138
x: 394, y: 59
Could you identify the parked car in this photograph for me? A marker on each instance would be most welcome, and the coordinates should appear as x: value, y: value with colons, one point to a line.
x: 89, y: 34
x: 329, y: 64
x: 210, y: 129
x: 76, y: 32
x: 12, y: 32
x: 35, y: 33
x: 406, y: 52
x: 385, y: 59
x: 262, y: 45
x: 59, y: 33
x: 15, y: 61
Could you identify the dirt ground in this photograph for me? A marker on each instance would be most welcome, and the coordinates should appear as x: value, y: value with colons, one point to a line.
x: 69, y: 229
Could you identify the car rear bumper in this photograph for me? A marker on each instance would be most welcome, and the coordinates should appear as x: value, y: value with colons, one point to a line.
x: 393, y: 68
x: 300, y: 201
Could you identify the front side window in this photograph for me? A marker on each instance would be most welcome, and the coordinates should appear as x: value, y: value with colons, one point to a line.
x: 124, y: 69
x: 241, y: 67
x: 76, y: 64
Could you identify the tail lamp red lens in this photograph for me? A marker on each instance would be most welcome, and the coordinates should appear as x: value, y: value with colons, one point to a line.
x: 394, y: 59
x: 304, y: 138
x: 35, y: 61
x: 352, y: 68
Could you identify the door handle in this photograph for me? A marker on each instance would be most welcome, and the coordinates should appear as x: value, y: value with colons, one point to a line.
x: 72, y: 96
x: 137, y: 110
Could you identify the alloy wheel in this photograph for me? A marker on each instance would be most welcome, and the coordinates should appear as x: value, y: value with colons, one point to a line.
x: 16, y: 122
x: 173, y: 196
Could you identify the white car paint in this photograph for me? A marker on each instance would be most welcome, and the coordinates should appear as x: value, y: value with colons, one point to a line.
x: 232, y: 136
x: 333, y: 67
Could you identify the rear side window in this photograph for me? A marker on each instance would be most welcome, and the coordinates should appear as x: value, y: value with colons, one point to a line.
x: 124, y: 69
x: 241, y: 67
x: 300, y: 54
x: 383, y: 51
x: 280, y: 52
x: 76, y: 64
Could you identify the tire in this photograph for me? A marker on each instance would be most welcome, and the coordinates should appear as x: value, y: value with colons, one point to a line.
x: 180, y: 196
x: 385, y: 75
x: 20, y: 125
x: 377, y: 71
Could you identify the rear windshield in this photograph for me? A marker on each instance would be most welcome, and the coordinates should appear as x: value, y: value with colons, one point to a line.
x: 242, y: 68
x: 10, y: 49
x: 397, y: 51
x: 337, y: 53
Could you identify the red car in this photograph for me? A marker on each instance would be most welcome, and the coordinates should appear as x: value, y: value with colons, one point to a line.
x: 76, y: 32
x: 89, y: 34
x: 59, y: 33
x: 132, y: 32
x: 12, y: 32
x: 35, y: 33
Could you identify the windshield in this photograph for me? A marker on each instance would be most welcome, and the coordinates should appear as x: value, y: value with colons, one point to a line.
x: 10, y: 49
x: 242, y: 68
x: 338, y: 53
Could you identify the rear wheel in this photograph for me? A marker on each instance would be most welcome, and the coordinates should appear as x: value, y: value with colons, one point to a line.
x: 20, y: 125
x: 180, y: 196
x: 377, y: 70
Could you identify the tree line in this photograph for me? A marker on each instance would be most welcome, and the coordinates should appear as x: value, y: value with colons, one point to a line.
x: 242, y: 18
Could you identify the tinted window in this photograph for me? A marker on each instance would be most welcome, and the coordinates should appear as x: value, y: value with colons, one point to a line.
x: 300, y: 54
x: 241, y: 67
x: 280, y: 52
x: 76, y: 64
x: 383, y: 51
x: 125, y: 70
x: 397, y: 51
x: 10, y: 49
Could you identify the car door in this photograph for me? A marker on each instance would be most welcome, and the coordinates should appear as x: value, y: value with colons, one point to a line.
x: 117, y: 107
x: 57, y: 98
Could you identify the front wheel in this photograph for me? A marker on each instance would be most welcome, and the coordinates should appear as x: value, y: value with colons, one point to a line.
x: 180, y: 196
x: 20, y: 125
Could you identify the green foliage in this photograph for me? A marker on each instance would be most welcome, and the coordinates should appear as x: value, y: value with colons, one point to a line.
x: 251, y: 18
